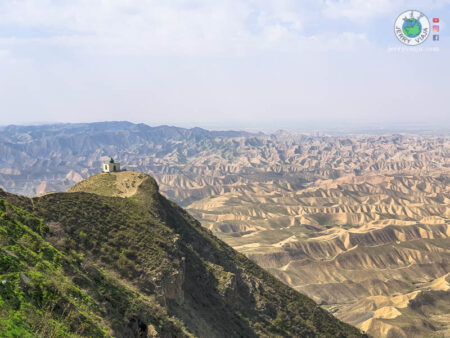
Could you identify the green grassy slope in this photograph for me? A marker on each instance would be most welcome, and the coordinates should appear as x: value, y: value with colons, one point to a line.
x: 142, y: 263
x: 50, y: 293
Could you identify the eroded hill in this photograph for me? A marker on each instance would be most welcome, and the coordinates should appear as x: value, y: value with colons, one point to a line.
x: 359, y: 223
x: 135, y: 266
x: 191, y: 164
x: 373, y: 250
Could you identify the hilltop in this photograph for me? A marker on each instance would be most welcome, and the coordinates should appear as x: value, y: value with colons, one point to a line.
x: 117, y: 184
x: 136, y: 265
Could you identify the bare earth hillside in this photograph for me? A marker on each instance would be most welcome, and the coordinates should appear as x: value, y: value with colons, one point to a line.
x: 375, y: 250
x: 358, y: 223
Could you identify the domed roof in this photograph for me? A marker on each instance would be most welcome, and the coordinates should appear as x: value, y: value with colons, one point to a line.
x: 111, y: 160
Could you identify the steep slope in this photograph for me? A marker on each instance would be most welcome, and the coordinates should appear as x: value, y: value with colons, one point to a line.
x: 163, y: 258
x: 46, y: 292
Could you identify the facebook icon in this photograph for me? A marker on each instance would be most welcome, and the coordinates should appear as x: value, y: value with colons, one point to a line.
x: 435, y: 37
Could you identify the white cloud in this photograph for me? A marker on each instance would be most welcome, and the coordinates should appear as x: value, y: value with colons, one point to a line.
x: 358, y: 10
x: 163, y: 27
x: 367, y: 10
x: 204, y: 61
x: 4, y: 53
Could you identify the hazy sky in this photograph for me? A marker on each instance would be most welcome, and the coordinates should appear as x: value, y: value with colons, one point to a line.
x: 220, y: 64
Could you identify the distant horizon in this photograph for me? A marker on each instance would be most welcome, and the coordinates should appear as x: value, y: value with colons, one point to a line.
x: 356, y: 129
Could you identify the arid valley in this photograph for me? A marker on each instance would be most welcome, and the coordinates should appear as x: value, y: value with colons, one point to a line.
x: 359, y: 223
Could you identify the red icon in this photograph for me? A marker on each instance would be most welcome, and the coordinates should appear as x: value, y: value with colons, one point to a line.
x: 436, y: 20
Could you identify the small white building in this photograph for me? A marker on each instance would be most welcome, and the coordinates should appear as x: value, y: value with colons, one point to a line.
x: 111, y: 166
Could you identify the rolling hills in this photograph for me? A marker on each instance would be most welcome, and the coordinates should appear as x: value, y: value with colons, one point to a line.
x: 375, y: 250
x: 359, y: 222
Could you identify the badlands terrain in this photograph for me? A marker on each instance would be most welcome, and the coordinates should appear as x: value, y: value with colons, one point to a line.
x: 359, y: 223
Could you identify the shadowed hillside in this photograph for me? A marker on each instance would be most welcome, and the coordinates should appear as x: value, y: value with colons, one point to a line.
x: 136, y: 265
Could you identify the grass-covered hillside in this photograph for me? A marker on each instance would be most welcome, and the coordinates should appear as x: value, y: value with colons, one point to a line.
x: 46, y: 292
x: 89, y: 263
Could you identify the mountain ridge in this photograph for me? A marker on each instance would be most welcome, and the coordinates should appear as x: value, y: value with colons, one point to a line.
x: 153, y: 248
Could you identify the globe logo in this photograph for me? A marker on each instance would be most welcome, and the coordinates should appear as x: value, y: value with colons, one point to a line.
x: 412, y: 27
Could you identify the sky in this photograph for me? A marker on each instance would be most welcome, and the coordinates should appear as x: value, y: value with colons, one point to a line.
x: 222, y: 64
